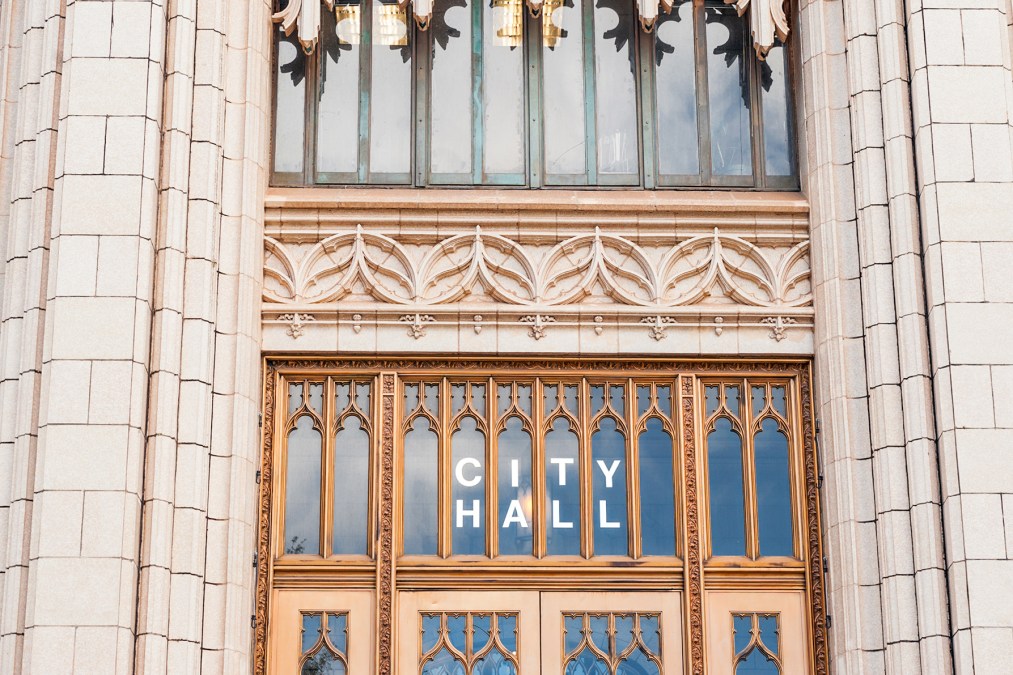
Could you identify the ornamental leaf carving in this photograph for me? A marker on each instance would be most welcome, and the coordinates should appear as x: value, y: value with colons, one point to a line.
x: 480, y: 268
x: 767, y: 19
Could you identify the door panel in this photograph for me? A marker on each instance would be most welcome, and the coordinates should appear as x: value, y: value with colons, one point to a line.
x: 757, y: 627
x: 618, y: 632
x: 331, y: 630
x: 466, y: 633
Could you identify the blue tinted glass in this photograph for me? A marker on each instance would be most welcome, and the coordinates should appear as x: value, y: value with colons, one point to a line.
x: 599, y: 632
x: 420, y: 476
x: 727, y: 503
x: 507, y: 626
x: 430, y: 631
x: 756, y: 664
x: 637, y: 663
x: 711, y: 397
x: 742, y: 625
x: 515, y: 490
x: 675, y: 92
x: 773, y: 490
x: 657, y: 490
x: 311, y: 624
x: 650, y: 629
x: 468, y: 491
x: 481, y: 627
x: 586, y: 663
x: 457, y: 626
x: 323, y: 663
x: 494, y: 664
x: 608, y: 450
x: 572, y: 627
x: 562, y: 490
x: 337, y: 631
x: 624, y: 632
x: 444, y: 663
x: 769, y: 633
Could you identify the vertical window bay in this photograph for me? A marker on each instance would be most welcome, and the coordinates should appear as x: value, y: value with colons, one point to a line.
x: 503, y: 97
x: 390, y: 94
x: 420, y: 489
x: 675, y: 93
x: 615, y: 72
x: 776, y: 122
x: 338, y: 99
x: 563, y: 88
x: 351, y: 488
x: 451, y: 82
x: 773, y: 490
x: 727, y: 498
x: 302, y: 489
x: 729, y: 92
x: 290, y: 106
x: 657, y: 490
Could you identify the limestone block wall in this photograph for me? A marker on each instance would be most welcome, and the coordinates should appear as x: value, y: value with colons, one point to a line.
x: 133, y: 154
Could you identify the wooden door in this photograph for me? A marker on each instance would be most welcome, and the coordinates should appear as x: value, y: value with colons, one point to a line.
x: 757, y: 631
x: 623, y: 633
x: 322, y: 631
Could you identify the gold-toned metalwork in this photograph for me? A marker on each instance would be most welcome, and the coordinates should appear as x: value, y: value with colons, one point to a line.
x: 509, y: 27
x: 668, y: 390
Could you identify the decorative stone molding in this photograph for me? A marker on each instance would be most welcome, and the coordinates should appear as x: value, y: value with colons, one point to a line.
x: 569, y: 272
x: 485, y: 267
x: 767, y: 18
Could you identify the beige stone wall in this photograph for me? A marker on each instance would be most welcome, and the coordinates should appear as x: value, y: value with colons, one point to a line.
x: 133, y: 154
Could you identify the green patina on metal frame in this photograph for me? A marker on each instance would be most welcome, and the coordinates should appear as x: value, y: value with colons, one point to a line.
x: 421, y: 45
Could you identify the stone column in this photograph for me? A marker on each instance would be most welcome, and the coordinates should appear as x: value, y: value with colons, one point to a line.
x: 82, y: 591
x: 961, y: 94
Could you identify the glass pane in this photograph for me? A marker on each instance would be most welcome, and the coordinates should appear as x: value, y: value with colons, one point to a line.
x: 289, y: 121
x: 637, y: 663
x: 311, y: 625
x: 742, y: 627
x: 337, y: 631
x: 503, y: 86
x: 728, y: 84
x: 756, y: 663
x: 572, y: 627
x: 302, y: 489
x: 451, y: 92
x: 515, y: 534
x: 323, y: 663
x: 768, y: 633
x: 481, y: 631
x: 431, y: 625
x: 507, y: 625
x: 338, y: 108
x: 420, y: 477
x: 657, y: 490
x: 563, y: 87
x: 457, y: 626
x: 608, y: 451
x: 562, y: 490
x: 776, y: 141
x: 615, y: 69
x: 675, y: 89
x: 390, y: 92
x: 727, y: 503
x: 351, y: 487
x: 468, y: 492
x: 444, y: 663
x: 586, y: 663
x: 773, y: 490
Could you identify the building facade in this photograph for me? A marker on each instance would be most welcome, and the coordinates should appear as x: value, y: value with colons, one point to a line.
x: 509, y: 337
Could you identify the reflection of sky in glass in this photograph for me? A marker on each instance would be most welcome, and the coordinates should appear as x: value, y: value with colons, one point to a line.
x: 773, y: 491
x: 338, y: 108
x: 756, y: 664
x: 351, y: 487
x: 615, y: 87
x: 503, y: 79
x: 302, y: 489
x: 678, y: 150
x: 514, y: 446
x: 291, y: 106
x: 450, y: 103
x: 731, y: 152
x: 657, y: 490
x: 420, y: 475
x: 390, y: 106
x: 561, y: 443
x: 563, y: 95
x: 608, y: 448
x: 775, y: 113
x: 727, y: 503
x: 468, y: 443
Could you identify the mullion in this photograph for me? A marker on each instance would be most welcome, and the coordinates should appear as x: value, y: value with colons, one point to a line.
x: 703, y: 117
x: 365, y: 90
x: 477, y: 92
x: 590, y: 96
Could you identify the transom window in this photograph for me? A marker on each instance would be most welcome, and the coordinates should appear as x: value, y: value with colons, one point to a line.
x: 539, y: 518
x: 490, y: 95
